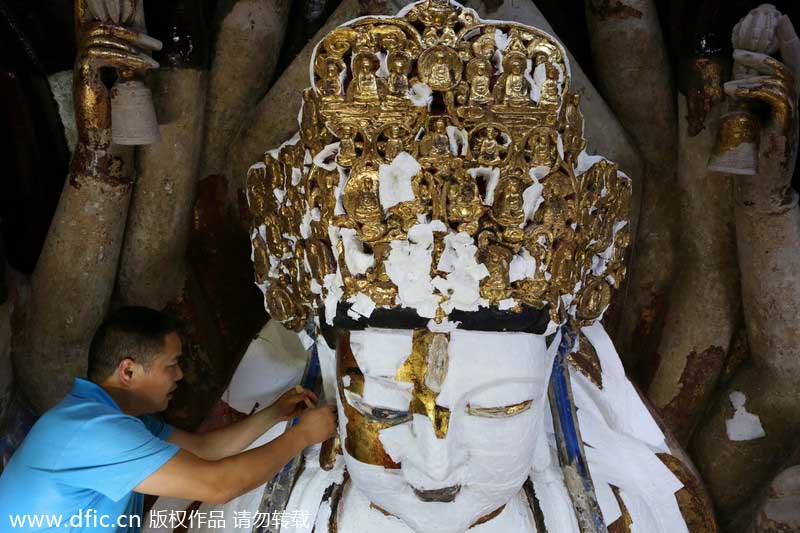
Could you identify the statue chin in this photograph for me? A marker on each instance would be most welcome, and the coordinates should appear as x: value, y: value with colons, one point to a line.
x: 492, y: 385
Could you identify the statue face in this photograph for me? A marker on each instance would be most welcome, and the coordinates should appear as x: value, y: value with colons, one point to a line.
x: 440, y: 428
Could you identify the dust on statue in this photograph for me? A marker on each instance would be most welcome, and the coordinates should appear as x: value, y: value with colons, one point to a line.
x: 438, y: 217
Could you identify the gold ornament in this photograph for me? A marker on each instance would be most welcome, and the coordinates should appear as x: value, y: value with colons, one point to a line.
x: 499, y: 159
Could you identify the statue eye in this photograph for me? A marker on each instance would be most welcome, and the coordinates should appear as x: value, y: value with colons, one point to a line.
x: 383, y: 415
x: 500, y: 412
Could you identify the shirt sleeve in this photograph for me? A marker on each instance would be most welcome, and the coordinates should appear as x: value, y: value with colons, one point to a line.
x: 113, y: 454
x: 157, y: 426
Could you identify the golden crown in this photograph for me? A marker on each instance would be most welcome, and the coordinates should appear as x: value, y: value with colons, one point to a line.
x: 439, y: 171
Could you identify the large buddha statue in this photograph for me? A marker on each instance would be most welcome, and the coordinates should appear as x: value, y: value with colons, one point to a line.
x: 444, y: 346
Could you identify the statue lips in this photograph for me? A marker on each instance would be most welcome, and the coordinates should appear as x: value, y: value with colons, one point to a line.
x: 446, y: 494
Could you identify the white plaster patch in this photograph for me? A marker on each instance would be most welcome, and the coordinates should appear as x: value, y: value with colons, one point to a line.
x: 531, y: 200
x: 408, y: 266
x: 586, y: 161
x: 539, y: 77
x: 333, y: 285
x: 380, y: 352
x: 508, y: 303
x: 501, y: 39
x: 326, y: 158
x: 491, y: 177
x: 387, y: 393
x: 394, y: 180
x: 305, y: 226
x: 383, y: 70
x: 361, y: 306
x: 420, y: 95
x: 743, y: 426
x: 357, y: 261
x: 462, y: 284
x: 445, y: 326
x: 539, y: 172
x: 337, y: 192
x: 522, y: 266
x: 458, y: 140
x: 297, y: 176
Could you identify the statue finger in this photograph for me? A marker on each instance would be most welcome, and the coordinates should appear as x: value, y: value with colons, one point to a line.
x: 127, y: 8
x: 789, y: 45
x: 106, y: 41
x: 98, y: 9
x: 774, y: 95
x: 113, y: 9
x: 775, y: 87
x: 137, y: 19
x: 142, y: 40
x: 121, y: 59
x: 764, y: 64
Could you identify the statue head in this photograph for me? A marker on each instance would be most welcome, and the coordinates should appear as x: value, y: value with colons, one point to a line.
x: 442, y: 366
x: 439, y: 427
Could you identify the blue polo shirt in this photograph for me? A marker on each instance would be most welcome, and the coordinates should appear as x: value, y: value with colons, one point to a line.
x: 78, y: 466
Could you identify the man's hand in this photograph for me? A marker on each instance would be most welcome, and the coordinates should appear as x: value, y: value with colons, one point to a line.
x: 291, y: 404
x: 318, y: 425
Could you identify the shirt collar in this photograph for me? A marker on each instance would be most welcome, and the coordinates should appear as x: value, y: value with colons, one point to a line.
x: 85, y: 389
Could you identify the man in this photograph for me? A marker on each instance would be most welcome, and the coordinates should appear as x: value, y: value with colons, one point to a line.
x: 87, y: 462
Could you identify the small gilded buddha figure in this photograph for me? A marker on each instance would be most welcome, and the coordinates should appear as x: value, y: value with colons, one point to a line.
x: 366, y: 87
x: 497, y: 259
x: 436, y: 142
x: 464, y: 203
x: 484, y: 46
x: 440, y: 67
x: 394, y: 144
x: 399, y: 66
x: 440, y: 73
x: 550, y: 98
x: 331, y: 84
x: 507, y: 209
x: 573, y: 128
x: 543, y: 147
x: 491, y: 151
x: 479, y: 72
x: 347, y: 147
x: 512, y: 88
x: 368, y: 207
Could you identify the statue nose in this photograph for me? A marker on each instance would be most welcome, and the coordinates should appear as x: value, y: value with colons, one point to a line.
x: 438, y: 415
x: 440, y: 421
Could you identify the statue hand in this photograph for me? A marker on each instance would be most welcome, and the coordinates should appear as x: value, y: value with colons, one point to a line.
x: 105, y: 45
x: 770, y: 190
x: 774, y: 87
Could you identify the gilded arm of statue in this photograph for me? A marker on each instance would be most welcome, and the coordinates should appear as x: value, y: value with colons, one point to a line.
x: 102, y: 45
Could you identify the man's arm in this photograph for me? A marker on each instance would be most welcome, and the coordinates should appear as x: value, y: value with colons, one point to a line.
x: 234, y: 438
x: 190, y: 477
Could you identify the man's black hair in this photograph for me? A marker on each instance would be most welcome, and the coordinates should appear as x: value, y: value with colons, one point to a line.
x: 129, y: 332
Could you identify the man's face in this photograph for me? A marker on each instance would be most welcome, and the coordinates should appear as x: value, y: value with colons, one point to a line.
x: 440, y: 428
x: 156, y: 383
